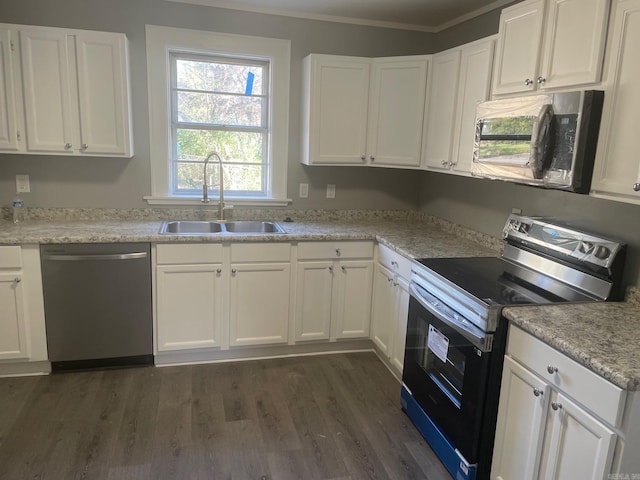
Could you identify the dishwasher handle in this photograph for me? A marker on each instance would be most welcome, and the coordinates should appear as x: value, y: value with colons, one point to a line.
x: 85, y: 257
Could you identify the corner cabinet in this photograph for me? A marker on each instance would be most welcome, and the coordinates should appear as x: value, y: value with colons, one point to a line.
x: 549, y: 44
x: 460, y: 79
x: 69, y: 90
x: 362, y: 111
x: 556, y: 419
x: 617, y: 170
x: 333, y: 299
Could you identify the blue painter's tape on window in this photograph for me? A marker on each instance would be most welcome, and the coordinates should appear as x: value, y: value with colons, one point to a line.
x: 249, y: 88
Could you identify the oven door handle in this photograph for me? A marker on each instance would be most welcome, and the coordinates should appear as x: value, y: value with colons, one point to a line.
x: 479, y: 338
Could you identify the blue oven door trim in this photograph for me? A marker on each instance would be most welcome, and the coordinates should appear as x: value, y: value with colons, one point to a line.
x: 453, y: 461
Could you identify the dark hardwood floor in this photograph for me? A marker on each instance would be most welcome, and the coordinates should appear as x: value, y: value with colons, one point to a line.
x: 314, y: 417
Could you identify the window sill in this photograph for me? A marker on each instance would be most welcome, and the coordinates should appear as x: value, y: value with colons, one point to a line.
x: 238, y: 202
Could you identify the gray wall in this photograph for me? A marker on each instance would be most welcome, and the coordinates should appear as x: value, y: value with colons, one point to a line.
x: 113, y: 183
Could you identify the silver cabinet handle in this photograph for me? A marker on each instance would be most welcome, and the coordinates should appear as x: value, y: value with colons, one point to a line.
x: 556, y: 405
x: 636, y: 187
x: 537, y: 392
x: 551, y: 369
x: 528, y: 82
x: 98, y: 257
x: 541, y: 80
x: 67, y: 146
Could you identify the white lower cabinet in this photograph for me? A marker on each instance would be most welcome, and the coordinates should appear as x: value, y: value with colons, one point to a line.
x: 543, y: 430
x: 259, y: 303
x: 390, y: 306
x: 333, y: 298
x: 22, y: 327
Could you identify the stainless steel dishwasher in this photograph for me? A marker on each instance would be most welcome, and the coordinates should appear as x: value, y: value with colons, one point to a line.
x: 97, y: 300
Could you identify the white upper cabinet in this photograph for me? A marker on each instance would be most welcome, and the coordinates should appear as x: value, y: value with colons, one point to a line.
x: 396, y: 111
x: 361, y: 111
x: 617, y: 169
x: 75, y: 92
x: 10, y: 135
x: 460, y: 79
x: 548, y: 44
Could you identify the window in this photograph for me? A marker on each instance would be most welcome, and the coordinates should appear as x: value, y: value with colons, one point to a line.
x: 228, y: 94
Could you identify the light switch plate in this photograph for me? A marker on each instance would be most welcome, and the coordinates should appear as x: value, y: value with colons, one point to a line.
x: 331, y: 190
x: 304, y: 190
x: 22, y: 184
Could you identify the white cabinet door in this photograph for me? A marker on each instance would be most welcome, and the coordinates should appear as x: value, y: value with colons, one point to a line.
x: 259, y: 303
x: 383, y: 316
x: 573, y: 43
x: 520, y: 426
x: 313, y: 300
x: 13, y: 339
x: 474, y: 86
x: 517, y: 50
x: 396, y: 111
x: 335, y: 101
x: 189, y: 307
x: 400, y: 328
x: 103, y: 93
x: 8, y: 98
x: 579, y: 445
x: 443, y: 89
x: 352, y: 290
x: 617, y: 169
x: 47, y: 85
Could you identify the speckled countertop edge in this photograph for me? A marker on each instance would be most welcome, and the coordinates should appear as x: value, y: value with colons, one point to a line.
x: 604, y: 337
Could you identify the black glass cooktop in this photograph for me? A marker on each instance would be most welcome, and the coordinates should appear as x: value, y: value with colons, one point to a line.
x: 496, y: 281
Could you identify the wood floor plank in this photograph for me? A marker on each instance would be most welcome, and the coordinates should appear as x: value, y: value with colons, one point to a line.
x: 326, y: 417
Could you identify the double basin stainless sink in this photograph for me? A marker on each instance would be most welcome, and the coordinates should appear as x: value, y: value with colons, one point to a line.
x: 197, y: 227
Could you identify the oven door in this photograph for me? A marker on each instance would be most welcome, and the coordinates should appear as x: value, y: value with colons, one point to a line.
x: 446, y: 368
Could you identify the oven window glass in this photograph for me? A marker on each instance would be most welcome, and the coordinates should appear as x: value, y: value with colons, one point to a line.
x: 446, y: 368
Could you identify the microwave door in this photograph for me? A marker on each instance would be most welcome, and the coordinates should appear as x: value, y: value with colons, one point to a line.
x: 540, y: 141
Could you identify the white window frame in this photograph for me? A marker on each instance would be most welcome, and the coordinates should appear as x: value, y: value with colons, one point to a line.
x: 160, y: 42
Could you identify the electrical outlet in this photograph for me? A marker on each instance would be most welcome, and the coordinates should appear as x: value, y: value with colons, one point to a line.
x: 304, y: 190
x: 331, y: 190
x: 517, y: 211
x: 22, y: 184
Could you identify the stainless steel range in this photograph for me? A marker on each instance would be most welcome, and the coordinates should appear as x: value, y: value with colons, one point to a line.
x: 456, y: 339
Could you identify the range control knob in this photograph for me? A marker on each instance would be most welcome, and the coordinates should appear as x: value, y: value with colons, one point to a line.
x: 602, y: 252
x: 585, y: 247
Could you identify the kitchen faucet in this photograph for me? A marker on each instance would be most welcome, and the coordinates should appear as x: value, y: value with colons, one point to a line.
x: 205, y: 186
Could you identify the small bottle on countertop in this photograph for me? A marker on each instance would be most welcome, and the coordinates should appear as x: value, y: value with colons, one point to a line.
x: 18, y: 210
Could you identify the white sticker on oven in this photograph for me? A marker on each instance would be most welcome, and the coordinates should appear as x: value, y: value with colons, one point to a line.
x: 438, y: 343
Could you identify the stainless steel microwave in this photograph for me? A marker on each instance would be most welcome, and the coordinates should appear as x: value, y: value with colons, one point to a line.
x: 542, y: 140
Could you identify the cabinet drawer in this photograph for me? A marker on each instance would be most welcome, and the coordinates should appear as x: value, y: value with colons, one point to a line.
x: 260, y: 252
x: 394, y: 261
x: 10, y: 257
x: 181, y: 254
x: 590, y: 389
x: 334, y: 250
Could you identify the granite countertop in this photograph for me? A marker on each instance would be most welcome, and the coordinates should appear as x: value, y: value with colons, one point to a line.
x: 414, y: 239
x: 603, y: 336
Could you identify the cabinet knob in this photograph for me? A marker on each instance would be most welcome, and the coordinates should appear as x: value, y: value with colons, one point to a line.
x: 537, y: 392
x: 17, y: 279
x: 233, y: 272
x: 363, y: 157
x: 394, y: 264
x: 528, y: 82
x: 636, y: 187
x: 344, y: 270
x: 372, y: 158
x: 338, y: 253
x: 551, y: 369
x: 85, y: 146
x: 67, y: 146
x: 556, y: 405
x: 219, y: 271
x: 443, y: 163
x: 541, y: 80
